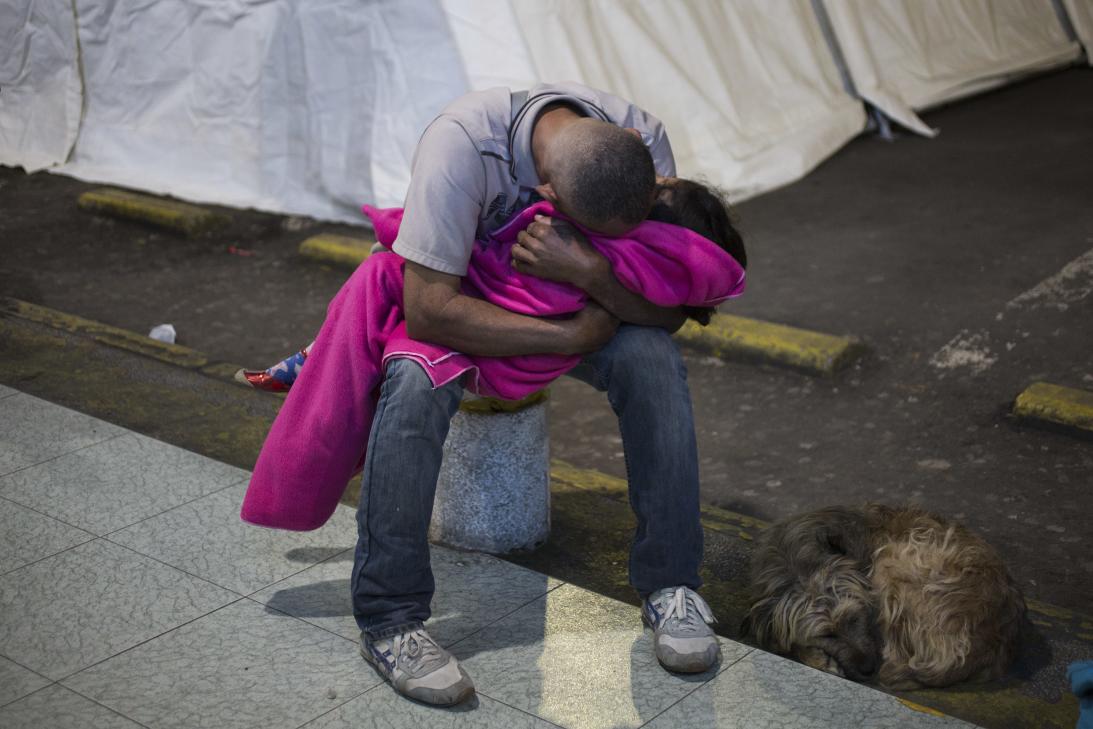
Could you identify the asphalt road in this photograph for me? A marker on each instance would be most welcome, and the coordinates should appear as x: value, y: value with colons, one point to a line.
x: 964, y: 262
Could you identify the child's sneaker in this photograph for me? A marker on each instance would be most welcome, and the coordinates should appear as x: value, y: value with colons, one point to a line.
x: 261, y: 380
x: 279, y: 377
x: 417, y: 667
x: 682, y: 637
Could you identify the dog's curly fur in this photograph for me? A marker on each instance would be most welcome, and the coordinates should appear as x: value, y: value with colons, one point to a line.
x: 896, y: 595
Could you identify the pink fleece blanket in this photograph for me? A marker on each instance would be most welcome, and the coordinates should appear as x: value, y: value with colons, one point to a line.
x: 319, y: 437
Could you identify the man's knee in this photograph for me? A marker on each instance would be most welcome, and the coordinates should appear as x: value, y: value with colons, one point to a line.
x: 407, y: 382
x: 650, y: 346
x: 640, y: 354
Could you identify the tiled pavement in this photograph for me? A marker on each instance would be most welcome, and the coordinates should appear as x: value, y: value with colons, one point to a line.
x: 131, y: 595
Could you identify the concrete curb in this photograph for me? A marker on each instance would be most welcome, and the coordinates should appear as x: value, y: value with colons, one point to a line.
x: 178, y: 216
x: 336, y: 250
x: 737, y: 337
x: 1062, y: 406
x: 173, y: 354
x: 192, y: 359
x: 176, y: 354
x: 493, y: 405
x: 713, y: 518
x: 747, y: 528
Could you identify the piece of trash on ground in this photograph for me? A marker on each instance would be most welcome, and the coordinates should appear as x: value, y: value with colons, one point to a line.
x: 163, y: 333
x: 237, y: 251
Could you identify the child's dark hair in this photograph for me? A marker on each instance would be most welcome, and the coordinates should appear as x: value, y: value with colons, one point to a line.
x: 702, y: 209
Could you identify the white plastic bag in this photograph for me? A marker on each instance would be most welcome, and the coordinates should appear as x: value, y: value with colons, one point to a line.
x: 163, y: 333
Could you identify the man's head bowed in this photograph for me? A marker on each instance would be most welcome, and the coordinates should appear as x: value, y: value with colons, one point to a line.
x: 601, y: 175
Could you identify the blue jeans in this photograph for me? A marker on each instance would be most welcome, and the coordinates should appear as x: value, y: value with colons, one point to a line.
x: 643, y: 374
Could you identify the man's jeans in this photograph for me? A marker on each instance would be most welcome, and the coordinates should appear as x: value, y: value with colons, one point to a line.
x: 645, y: 379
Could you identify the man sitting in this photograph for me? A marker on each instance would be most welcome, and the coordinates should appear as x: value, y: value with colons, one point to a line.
x: 596, y: 158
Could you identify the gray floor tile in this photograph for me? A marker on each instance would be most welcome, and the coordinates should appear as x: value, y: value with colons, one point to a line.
x: 7, y: 391
x: 382, y: 708
x: 26, y: 536
x: 16, y: 681
x: 207, y: 538
x: 58, y: 708
x: 579, y: 660
x: 33, y: 430
x: 114, y: 484
x: 764, y: 691
x: 238, y: 667
x: 73, y: 609
x: 472, y: 590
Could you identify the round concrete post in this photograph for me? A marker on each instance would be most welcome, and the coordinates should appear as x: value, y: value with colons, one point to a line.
x: 493, y: 494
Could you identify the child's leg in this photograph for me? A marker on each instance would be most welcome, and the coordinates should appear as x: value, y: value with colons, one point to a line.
x: 279, y: 377
x: 320, y: 434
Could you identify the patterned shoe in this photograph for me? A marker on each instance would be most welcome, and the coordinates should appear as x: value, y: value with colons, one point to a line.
x: 419, y: 668
x: 261, y: 380
x: 682, y: 638
x: 279, y: 377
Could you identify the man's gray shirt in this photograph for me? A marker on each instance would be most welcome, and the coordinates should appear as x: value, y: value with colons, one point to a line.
x: 473, y: 166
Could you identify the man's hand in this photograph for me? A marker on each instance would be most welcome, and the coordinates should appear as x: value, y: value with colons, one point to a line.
x: 592, y: 327
x: 555, y: 250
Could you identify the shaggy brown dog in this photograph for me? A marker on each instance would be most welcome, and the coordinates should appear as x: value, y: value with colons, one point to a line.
x: 893, y: 594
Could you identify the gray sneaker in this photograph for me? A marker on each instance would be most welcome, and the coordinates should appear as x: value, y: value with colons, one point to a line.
x: 682, y: 638
x: 419, y: 668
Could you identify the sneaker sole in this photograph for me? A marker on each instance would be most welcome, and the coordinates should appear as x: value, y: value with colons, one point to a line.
x: 434, y: 697
x: 685, y: 662
x: 690, y: 662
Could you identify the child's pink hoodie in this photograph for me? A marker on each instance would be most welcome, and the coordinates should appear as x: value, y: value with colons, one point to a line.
x: 318, y: 438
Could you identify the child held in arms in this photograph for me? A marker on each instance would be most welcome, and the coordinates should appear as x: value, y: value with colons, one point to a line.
x: 685, y: 203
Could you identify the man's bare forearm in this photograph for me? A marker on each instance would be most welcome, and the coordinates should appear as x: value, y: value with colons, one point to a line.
x: 477, y: 327
x: 603, y: 288
x: 436, y: 312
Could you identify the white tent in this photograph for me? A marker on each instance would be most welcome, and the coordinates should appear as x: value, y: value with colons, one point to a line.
x: 315, y: 107
x: 749, y: 92
x: 299, y: 107
x: 1080, y: 15
x: 906, y: 55
x: 40, y: 89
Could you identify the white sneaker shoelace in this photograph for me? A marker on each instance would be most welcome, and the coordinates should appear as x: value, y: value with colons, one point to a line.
x: 417, y: 653
x: 687, y: 607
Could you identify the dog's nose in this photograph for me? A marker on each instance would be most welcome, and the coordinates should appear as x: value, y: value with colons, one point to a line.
x: 868, y: 667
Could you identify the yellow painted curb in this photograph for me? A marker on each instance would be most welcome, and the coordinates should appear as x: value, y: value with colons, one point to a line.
x: 223, y: 371
x: 726, y: 336
x: 741, y: 338
x: 337, y: 250
x: 1054, y: 404
x: 492, y: 405
x: 713, y: 518
x: 920, y: 708
x: 174, y: 354
x: 178, y: 216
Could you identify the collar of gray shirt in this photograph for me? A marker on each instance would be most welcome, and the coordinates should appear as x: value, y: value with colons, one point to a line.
x: 526, y: 106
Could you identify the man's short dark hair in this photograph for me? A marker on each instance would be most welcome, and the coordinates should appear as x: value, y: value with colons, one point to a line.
x: 603, y: 175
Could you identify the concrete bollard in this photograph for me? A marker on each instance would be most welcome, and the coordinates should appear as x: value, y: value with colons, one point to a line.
x: 493, y: 494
